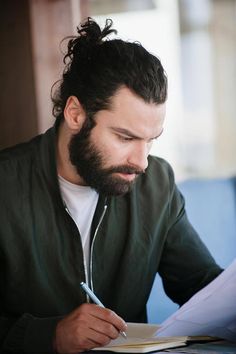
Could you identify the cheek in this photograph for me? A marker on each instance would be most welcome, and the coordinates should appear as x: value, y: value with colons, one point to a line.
x: 113, y: 154
x: 111, y: 149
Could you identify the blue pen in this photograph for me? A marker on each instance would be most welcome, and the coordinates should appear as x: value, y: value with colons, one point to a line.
x: 93, y: 297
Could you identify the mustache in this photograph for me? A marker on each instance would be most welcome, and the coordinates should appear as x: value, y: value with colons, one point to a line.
x: 126, y: 169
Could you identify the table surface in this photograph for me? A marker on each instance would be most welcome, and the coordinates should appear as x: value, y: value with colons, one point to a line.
x: 217, y: 347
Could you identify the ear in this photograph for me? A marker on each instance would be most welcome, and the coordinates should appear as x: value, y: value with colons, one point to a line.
x: 74, y: 114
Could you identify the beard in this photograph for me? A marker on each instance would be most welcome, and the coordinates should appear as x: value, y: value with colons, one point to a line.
x: 89, y: 163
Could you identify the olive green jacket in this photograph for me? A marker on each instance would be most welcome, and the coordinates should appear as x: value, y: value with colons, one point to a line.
x: 41, y: 258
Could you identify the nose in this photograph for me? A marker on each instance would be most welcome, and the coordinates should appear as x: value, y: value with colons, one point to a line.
x: 139, y: 156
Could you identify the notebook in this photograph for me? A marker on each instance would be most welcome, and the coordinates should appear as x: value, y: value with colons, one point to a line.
x: 141, y: 338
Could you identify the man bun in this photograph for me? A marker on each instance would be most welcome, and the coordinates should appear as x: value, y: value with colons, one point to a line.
x: 90, y: 35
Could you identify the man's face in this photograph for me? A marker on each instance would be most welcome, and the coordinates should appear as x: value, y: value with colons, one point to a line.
x: 111, y: 156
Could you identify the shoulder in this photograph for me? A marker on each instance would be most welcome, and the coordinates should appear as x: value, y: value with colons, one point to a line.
x: 18, y: 153
x: 158, y: 176
x: 32, y: 151
x: 156, y: 187
x: 159, y: 166
x: 18, y: 162
x: 19, y: 150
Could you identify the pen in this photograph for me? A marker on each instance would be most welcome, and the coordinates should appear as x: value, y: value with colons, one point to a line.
x: 93, y: 297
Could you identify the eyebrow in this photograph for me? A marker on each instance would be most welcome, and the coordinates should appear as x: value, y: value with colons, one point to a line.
x: 132, y: 135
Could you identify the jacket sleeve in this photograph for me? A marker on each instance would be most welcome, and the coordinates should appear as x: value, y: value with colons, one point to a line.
x: 27, y: 334
x: 186, y: 263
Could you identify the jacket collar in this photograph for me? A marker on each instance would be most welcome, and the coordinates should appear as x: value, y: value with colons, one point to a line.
x: 48, y: 161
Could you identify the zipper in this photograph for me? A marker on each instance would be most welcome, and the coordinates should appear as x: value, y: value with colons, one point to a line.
x: 89, y: 279
x: 84, y: 261
x: 92, y: 247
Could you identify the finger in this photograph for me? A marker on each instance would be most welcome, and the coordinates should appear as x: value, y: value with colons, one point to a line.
x: 96, y: 319
x: 90, y: 313
x: 110, y: 317
x: 98, y: 338
x: 103, y: 327
x: 108, y: 322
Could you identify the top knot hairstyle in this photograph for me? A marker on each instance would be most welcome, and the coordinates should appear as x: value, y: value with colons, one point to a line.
x: 96, y: 67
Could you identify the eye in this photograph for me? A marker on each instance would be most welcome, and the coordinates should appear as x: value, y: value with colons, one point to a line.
x: 125, y: 138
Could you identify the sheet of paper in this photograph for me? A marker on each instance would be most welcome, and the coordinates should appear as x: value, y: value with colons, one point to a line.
x: 212, y: 311
x: 138, y: 333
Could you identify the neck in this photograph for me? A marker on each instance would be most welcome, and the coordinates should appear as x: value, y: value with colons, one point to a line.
x: 64, y: 167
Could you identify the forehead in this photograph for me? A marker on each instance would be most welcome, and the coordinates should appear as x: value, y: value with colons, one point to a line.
x: 129, y: 111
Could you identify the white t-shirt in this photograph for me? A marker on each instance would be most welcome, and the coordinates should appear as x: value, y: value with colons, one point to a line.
x: 81, y: 202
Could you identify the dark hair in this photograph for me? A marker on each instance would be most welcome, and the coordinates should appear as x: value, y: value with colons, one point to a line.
x: 97, y: 67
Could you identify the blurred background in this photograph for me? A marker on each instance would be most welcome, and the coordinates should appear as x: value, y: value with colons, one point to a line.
x: 195, y: 40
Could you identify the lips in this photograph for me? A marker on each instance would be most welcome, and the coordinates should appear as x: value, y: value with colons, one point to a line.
x: 127, y: 176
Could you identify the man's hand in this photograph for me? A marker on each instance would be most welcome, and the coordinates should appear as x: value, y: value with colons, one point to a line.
x: 87, y: 327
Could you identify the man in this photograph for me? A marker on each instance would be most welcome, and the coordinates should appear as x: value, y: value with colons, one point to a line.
x: 85, y: 202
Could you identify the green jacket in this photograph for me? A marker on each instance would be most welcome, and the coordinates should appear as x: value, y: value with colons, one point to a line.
x: 41, y: 259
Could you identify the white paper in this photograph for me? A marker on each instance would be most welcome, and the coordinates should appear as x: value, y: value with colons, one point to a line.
x: 211, y: 311
x: 142, y: 333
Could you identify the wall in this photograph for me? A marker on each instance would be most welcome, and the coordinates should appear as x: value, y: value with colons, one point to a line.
x: 18, y: 113
x: 31, y: 61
